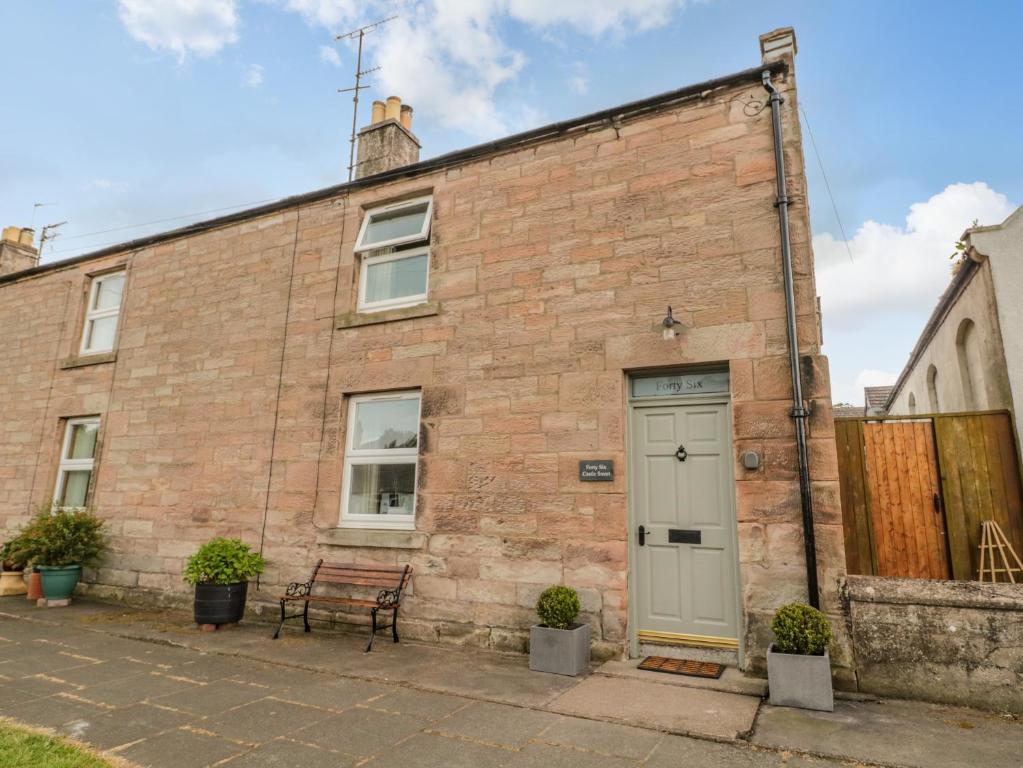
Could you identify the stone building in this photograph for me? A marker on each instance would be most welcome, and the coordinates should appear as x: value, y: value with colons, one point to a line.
x: 969, y: 356
x: 461, y: 363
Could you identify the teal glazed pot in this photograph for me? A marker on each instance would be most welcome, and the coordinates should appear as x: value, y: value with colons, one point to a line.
x: 59, y: 581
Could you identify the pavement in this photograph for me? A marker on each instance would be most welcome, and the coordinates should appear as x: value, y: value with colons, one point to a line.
x: 147, y: 687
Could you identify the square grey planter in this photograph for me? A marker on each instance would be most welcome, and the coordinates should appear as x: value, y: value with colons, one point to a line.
x: 800, y: 681
x: 561, y: 651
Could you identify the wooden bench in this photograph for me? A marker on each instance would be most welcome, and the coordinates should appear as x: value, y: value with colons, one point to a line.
x: 392, y: 580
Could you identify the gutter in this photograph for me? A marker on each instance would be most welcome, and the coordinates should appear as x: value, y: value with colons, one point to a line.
x: 592, y: 121
x: 799, y: 413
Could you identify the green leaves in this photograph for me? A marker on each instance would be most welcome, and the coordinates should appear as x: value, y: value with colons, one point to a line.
x: 557, y: 607
x: 801, y: 630
x: 223, y: 561
x: 59, y: 537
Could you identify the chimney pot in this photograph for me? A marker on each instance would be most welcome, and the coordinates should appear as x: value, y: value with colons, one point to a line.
x: 16, y: 250
x: 393, y: 108
x: 378, y: 112
x: 406, y: 117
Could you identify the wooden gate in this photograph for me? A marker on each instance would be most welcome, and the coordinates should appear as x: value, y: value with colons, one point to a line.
x: 915, y: 490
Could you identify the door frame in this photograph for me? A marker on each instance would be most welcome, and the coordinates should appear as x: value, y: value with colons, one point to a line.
x: 634, y: 404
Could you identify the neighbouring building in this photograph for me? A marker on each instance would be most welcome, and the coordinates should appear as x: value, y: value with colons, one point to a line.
x: 463, y: 363
x: 969, y: 356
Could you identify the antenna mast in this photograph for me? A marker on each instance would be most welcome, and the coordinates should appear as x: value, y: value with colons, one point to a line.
x: 358, y: 34
x: 46, y: 235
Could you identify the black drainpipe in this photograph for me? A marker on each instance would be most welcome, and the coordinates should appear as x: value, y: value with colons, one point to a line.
x: 799, y: 412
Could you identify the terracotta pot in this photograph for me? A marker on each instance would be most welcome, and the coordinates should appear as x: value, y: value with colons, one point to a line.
x: 35, y: 586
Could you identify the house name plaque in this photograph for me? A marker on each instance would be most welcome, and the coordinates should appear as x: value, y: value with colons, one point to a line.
x: 597, y: 471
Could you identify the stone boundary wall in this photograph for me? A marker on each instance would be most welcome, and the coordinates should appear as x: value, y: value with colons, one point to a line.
x: 953, y: 642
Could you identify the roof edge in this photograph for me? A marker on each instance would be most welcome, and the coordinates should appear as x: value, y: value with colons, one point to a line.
x: 951, y: 295
x: 456, y: 157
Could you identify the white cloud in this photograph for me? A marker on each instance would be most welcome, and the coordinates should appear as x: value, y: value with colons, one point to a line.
x: 253, y: 76
x: 200, y: 27
x: 901, y: 268
x: 853, y: 393
x: 579, y: 81
x: 449, y: 58
x: 329, y: 55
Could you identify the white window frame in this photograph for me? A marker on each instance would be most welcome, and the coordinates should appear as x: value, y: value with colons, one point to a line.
x: 74, y: 465
x: 92, y: 314
x: 379, y: 456
x: 423, y: 234
x: 369, y: 260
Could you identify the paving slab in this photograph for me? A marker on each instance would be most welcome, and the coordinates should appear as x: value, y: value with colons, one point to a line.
x: 678, y: 751
x: 359, y: 731
x: 603, y: 738
x: 495, y: 724
x: 429, y: 750
x: 262, y: 720
x: 181, y: 748
x: 897, y: 732
x: 284, y: 753
x: 668, y: 707
x: 548, y: 756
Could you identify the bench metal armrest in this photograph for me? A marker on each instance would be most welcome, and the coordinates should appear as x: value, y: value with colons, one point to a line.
x: 388, y: 598
x: 299, y: 589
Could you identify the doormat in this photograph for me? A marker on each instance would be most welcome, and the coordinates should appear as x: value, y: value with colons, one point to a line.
x: 688, y: 667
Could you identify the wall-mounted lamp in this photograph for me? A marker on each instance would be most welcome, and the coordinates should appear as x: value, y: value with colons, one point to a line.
x: 669, y: 322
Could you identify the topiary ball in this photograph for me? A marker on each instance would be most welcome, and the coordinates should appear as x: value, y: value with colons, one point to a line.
x: 800, y: 629
x: 557, y: 607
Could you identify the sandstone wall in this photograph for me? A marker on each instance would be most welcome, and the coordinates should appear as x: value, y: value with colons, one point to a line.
x: 551, y: 267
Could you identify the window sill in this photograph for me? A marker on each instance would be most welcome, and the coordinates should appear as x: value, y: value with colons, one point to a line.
x: 80, y: 361
x: 356, y: 319
x: 374, y: 538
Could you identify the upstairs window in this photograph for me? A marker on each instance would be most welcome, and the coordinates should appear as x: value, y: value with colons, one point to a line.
x: 381, y: 455
x: 394, y: 244
x: 77, y: 457
x: 101, y: 315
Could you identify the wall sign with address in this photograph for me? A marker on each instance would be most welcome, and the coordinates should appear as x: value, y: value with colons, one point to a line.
x: 597, y: 471
x: 680, y: 384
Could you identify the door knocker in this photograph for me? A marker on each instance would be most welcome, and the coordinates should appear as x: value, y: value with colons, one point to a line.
x: 681, y: 453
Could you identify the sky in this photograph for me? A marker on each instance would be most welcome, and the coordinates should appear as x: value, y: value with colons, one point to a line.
x: 128, y: 117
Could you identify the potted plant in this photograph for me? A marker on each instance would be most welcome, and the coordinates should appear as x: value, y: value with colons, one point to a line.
x: 798, y: 665
x: 59, y: 542
x: 558, y: 644
x: 13, y: 559
x: 220, y: 571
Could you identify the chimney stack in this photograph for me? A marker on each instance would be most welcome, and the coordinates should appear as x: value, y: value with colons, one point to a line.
x: 16, y: 250
x: 778, y: 44
x: 387, y: 142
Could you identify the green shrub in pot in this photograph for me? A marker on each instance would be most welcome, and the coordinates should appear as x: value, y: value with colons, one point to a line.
x: 58, y: 542
x: 798, y: 664
x: 558, y: 607
x: 220, y: 571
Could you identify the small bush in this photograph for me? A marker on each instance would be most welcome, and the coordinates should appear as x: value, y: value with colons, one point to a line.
x: 223, y: 561
x: 60, y: 537
x: 800, y: 629
x: 557, y: 607
x: 14, y: 554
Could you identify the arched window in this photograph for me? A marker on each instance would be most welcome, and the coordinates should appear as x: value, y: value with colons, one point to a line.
x: 932, y: 388
x: 970, y: 371
x: 912, y: 403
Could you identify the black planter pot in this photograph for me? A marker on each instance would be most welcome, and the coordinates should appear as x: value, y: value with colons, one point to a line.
x: 220, y: 603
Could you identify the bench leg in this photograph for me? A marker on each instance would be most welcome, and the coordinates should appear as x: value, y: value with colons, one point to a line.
x: 305, y: 617
x: 394, y: 625
x: 281, y: 625
x: 373, y: 631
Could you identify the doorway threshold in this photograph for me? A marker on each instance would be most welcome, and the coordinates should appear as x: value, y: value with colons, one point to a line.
x: 731, y: 681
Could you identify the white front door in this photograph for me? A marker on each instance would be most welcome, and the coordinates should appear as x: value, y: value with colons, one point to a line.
x: 684, y: 541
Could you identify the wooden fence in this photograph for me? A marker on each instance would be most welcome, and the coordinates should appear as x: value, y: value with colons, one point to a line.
x: 916, y: 488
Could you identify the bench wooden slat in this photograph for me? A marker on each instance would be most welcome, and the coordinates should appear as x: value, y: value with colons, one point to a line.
x: 358, y: 581
x: 363, y: 567
x: 329, y: 599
